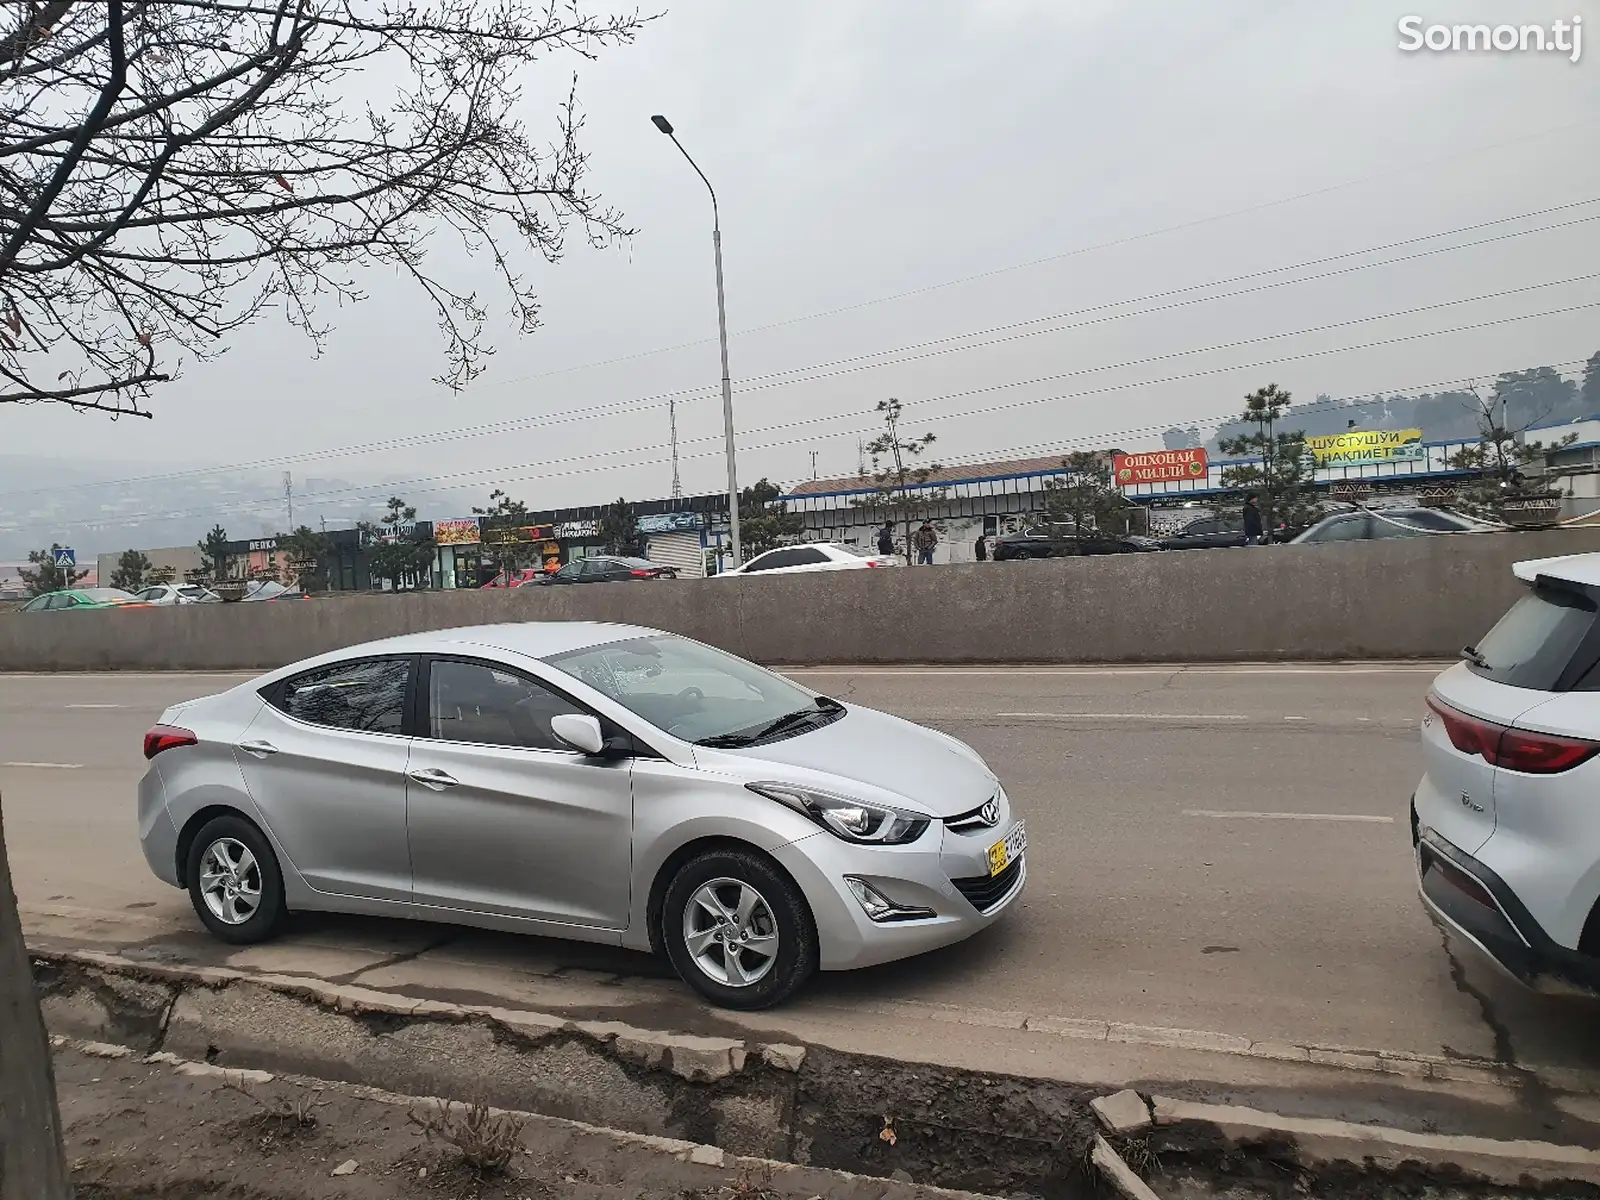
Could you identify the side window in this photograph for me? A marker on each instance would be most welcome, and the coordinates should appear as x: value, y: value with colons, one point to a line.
x: 1346, y: 529
x: 150, y: 594
x: 572, y: 569
x: 368, y: 696
x: 1400, y: 525
x: 594, y: 568
x: 492, y: 706
x: 801, y: 558
x: 62, y: 601
x: 765, y: 562
x: 37, y: 605
x: 1201, y: 528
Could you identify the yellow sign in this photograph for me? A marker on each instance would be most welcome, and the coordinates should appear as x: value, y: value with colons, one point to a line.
x: 1366, y: 446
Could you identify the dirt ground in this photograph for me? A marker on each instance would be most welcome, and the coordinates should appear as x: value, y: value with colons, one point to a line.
x: 145, y: 1131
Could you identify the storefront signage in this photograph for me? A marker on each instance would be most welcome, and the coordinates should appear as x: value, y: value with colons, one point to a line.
x: 457, y: 532
x: 1161, y: 466
x: 669, y: 523
x: 1360, y: 446
x: 578, y: 529
x: 519, y: 535
x: 264, y: 544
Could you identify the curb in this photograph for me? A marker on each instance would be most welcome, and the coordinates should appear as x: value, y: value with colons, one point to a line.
x: 1318, y: 1142
x: 693, y: 1058
x: 677, y: 1148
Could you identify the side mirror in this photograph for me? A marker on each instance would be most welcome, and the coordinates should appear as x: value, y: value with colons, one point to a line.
x: 580, y: 732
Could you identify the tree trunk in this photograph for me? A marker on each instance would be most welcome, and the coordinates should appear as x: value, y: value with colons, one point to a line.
x: 32, y: 1163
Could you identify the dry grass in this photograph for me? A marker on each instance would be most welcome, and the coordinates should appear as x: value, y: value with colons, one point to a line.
x: 487, y: 1141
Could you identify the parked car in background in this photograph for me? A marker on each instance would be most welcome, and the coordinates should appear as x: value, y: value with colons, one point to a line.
x: 1367, y: 524
x: 164, y: 594
x: 84, y: 598
x: 602, y: 783
x: 1502, y: 822
x: 813, y: 556
x: 602, y: 568
x: 1066, y: 541
x: 269, y: 589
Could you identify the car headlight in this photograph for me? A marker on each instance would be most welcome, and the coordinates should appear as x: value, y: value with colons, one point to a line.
x: 852, y: 820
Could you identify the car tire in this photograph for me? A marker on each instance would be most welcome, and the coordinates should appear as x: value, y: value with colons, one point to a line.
x: 248, y: 905
x: 779, y: 908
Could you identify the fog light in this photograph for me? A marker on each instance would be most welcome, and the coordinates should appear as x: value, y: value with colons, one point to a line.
x: 879, y: 907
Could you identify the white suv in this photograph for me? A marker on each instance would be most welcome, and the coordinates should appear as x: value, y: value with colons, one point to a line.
x: 1506, y: 820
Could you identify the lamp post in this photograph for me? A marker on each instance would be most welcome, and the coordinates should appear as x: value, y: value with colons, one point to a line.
x: 665, y: 126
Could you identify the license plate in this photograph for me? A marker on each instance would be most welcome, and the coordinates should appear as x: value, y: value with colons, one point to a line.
x: 1002, y: 854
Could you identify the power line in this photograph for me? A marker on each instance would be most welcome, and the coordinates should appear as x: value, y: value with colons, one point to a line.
x: 776, y: 379
x: 459, y: 478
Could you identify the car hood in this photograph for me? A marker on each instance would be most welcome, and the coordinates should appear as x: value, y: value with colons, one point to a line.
x: 931, y: 769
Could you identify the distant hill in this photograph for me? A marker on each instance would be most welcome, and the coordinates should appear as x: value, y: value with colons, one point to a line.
x: 1538, y: 396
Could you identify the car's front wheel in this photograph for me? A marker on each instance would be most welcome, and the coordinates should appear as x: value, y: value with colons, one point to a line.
x: 234, y: 881
x: 738, y: 930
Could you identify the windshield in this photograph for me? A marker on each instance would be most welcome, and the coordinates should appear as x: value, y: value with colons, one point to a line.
x: 691, y: 691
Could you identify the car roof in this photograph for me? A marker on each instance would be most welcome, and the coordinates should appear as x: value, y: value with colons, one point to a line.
x: 1573, y: 568
x: 531, y: 639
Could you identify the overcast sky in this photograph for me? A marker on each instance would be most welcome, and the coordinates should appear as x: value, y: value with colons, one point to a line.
x: 897, y: 172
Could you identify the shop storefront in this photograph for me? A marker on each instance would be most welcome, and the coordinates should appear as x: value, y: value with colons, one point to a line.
x: 458, y: 554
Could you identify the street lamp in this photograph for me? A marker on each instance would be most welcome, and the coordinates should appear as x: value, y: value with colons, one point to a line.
x: 665, y: 126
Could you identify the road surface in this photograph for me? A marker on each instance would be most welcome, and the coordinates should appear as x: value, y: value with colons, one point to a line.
x: 1217, y: 851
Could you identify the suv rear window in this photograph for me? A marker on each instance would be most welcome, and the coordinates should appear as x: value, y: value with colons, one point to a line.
x: 1536, y: 643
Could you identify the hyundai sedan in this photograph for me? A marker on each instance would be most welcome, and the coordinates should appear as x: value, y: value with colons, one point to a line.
x: 603, y: 783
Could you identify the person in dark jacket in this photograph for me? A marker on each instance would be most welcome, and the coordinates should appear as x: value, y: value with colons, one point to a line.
x: 886, y: 538
x: 980, y: 548
x: 1252, y: 521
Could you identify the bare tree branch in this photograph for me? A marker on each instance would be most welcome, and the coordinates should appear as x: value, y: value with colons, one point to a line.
x: 171, y: 171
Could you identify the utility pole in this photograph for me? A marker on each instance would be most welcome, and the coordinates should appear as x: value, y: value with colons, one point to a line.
x: 672, y: 420
x: 813, y: 466
x: 288, y: 497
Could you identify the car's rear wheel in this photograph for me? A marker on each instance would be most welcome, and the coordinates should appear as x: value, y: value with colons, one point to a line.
x: 235, y: 884
x: 738, y: 930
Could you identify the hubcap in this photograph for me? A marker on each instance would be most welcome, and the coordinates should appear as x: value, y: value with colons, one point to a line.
x: 730, y: 931
x: 230, y: 881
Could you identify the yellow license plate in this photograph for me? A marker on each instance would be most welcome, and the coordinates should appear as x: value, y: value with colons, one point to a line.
x: 1005, y: 852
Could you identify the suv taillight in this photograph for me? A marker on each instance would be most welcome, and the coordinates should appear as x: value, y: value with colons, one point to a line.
x: 1514, y: 749
x: 165, y: 737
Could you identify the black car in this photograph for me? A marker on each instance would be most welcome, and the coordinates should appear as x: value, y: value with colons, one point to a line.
x: 1065, y: 541
x: 1214, y: 533
x: 604, y: 568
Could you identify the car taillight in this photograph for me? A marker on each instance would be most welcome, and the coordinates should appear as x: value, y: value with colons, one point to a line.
x: 1521, y: 750
x: 1542, y: 753
x: 165, y: 737
x: 640, y: 574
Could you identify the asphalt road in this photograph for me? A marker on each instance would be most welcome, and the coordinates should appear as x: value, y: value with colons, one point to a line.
x: 1213, y: 849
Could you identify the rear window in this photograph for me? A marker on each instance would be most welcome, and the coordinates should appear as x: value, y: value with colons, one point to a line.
x: 1537, y: 641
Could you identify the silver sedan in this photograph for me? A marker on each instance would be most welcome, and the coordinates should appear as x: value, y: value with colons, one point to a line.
x: 603, y: 783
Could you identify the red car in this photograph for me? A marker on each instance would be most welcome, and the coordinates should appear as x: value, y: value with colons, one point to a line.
x: 511, y: 579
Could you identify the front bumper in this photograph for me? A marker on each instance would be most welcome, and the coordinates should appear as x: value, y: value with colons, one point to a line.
x: 945, y: 872
x: 1476, y: 904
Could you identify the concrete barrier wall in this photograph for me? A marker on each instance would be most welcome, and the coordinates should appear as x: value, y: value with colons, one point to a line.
x: 1408, y: 598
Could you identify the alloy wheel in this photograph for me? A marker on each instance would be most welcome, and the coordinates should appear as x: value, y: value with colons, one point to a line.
x: 730, y: 932
x: 230, y: 881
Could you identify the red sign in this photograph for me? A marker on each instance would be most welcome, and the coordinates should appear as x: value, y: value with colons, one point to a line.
x: 1161, y: 466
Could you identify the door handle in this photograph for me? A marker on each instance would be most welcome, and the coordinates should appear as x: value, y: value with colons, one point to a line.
x: 258, y: 748
x: 433, y: 778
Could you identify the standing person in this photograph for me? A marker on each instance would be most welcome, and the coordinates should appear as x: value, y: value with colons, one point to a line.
x: 1252, y: 521
x: 981, y: 547
x: 886, y: 538
x: 924, y: 541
